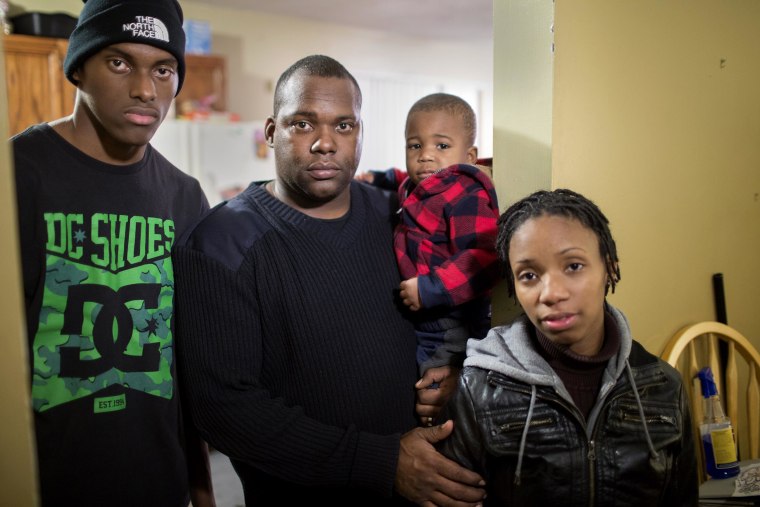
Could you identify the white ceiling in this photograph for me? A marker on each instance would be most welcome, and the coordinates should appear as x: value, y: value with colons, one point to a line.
x: 435, y: 19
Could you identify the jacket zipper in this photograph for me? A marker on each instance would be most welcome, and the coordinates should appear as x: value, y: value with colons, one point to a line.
x: 591, y: 472
x: 591, y: 443
x: 519, y: 425
x: 659, y: 418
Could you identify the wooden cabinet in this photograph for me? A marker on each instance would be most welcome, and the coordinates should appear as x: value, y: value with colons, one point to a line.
x: 205, y: 84
x: 38, y: 91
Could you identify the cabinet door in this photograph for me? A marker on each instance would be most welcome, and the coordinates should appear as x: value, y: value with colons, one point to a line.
x: 204, y: 83
x: 38, y: 91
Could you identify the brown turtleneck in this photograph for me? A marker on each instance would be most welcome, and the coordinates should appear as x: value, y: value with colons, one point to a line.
x: 582, y: 375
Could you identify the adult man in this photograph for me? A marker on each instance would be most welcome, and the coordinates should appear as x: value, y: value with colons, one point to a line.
x: 99, y: 212
x: 299, y: 363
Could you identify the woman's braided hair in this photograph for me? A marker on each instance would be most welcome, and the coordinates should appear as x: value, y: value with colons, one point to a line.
x: 559, y: 202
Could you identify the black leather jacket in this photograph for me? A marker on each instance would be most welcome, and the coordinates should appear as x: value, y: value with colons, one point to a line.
x: 620, y: 459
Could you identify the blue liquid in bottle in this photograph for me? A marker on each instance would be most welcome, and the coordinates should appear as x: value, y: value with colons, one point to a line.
x: 713, y: 470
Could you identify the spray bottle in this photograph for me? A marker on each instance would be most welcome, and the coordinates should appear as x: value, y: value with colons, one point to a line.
x: 717, y: 432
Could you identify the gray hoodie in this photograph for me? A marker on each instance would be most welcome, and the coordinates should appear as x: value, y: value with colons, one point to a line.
x: 520, y: 361
x: 516, y: 424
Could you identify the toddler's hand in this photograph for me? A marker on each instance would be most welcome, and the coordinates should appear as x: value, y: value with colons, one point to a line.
x: 366, y: 177
x: 410, y: 295
x: 433, y: 391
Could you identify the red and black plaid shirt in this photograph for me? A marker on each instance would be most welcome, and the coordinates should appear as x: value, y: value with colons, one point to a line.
x: 447, y: 235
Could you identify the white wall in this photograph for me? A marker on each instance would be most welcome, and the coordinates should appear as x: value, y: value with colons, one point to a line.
x: 387, y: 99
x: 259, y: 46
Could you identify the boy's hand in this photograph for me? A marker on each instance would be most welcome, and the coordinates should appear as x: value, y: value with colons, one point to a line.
x: 433, y: 391
x: 410, y: 295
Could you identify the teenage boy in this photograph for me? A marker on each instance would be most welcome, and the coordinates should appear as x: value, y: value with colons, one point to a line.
x: 99, y: 211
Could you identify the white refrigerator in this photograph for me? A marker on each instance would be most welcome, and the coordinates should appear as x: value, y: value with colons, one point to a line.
x: 224, y: 156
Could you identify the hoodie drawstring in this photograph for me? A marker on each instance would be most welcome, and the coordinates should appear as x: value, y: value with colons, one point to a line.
x: 524, y: 438
x: 652, y: 450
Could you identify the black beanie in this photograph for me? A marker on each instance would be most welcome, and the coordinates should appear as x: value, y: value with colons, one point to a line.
x: 105, y: 22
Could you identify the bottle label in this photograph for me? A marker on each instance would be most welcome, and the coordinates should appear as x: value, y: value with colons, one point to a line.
x: 723, y: 446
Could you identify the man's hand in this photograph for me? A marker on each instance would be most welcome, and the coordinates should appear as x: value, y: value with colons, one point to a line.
x: 426, y: 477
x: 433, y: 391
x: 410, y: 295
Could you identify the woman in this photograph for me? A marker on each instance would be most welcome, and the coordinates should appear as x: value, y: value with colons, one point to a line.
x: 563, y: 407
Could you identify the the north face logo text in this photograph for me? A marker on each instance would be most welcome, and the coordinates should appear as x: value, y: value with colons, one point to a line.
x: 148, y: 27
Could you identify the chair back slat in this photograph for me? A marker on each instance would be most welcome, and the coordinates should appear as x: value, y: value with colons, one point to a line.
x: 753, y: 412
x: 732, y: 395
x: 713, y: 360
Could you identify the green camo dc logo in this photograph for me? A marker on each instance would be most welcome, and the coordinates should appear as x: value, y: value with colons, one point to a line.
x: 112, y: 352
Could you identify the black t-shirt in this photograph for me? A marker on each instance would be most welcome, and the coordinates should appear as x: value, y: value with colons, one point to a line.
x: 98, y: 281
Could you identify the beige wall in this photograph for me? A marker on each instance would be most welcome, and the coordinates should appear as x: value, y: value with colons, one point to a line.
x: 656, y: 117
x: 18, y: 478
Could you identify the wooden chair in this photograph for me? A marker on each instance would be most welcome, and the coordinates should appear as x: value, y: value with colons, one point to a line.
x: 697, y: 345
